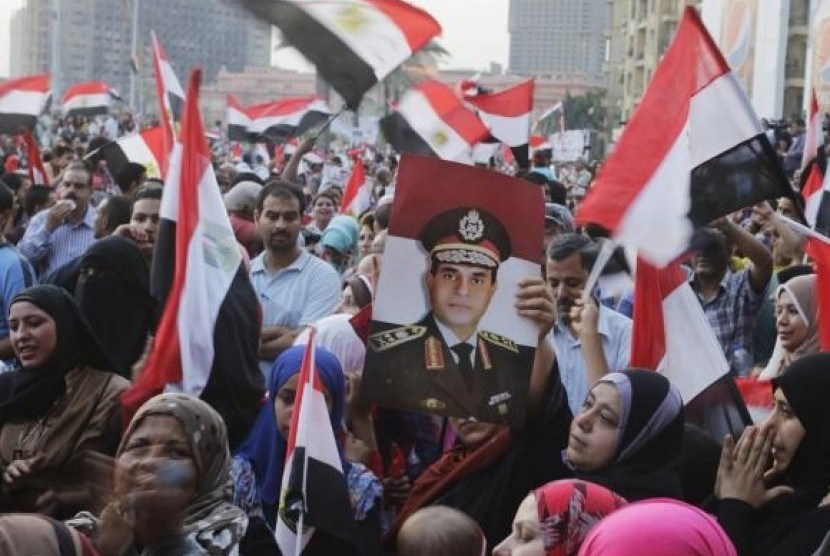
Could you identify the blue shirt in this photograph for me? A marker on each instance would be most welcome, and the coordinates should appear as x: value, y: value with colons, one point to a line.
x: 306, y: 290
x: 615, y: 335
x: 48, y: 250
x: 16, y: 274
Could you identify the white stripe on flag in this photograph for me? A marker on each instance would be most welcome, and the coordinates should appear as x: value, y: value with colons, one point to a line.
x: 135, y: 149
x: 169, y: 79
x: 23, y: 102
x: 720, y: 117
x: 92, y: 100
x: 512, y: 131
x: 443, y: 139
x: 663, y: 204
x: 694, y: 359
x: 238, y: 118
x: 378, y: 40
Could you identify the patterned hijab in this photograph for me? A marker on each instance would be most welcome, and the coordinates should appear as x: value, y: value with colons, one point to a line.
x: 41, y: 536
x: 210, y: 515
x: 568, y: 510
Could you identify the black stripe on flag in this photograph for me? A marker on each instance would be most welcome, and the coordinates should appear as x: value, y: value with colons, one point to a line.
x: 115, y: 157
x: 744, y: 175
x: 336, y: 62
x: 13, y: 123
x: 401, y: 135
x: 279, y: 133
x: 88, y: 111
x: 327, y: 505
x: 238, y: 133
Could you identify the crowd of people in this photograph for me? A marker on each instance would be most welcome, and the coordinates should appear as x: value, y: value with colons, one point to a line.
x: 605, y: 463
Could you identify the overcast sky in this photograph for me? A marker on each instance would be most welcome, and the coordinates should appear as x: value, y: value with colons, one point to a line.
x: 475, y: 32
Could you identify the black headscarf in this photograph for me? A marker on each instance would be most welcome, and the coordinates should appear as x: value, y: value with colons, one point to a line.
x: 806, y: 384
x: 31, y: 391
x: 116, y: 300
x: 646, y: 462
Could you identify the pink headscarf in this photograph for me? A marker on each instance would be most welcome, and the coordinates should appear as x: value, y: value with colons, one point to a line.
x: 658, y: 527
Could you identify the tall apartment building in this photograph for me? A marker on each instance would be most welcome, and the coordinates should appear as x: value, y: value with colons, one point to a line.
x: 95, y: 36
x: 557, y: 36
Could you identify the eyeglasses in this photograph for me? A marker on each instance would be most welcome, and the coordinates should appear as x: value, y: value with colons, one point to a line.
x: 74, y: 184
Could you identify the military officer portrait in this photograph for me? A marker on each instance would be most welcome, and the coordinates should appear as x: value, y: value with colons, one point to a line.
x: 446, y: 362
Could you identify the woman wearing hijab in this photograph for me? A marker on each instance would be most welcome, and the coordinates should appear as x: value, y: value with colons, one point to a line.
x: 61, y: 402
x: 113, y: 292
x: 41, y: 536
x: 782, y: 508
x: 796, y: 323
x: 628, y: 436
x: 172, y: 485
x: 554, y: 519
x: 258, y: 464
x: 658, y: 527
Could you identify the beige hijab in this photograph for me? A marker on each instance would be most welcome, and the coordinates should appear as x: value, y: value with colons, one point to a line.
x: 802, y: 290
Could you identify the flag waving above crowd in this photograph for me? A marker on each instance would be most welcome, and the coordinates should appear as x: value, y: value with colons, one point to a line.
x: 353, y: 43
x: 22, y: 101
x: 89, y: 99
x: 672, y: 169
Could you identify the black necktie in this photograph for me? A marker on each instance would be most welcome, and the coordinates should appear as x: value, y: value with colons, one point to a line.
x: 465, y: 366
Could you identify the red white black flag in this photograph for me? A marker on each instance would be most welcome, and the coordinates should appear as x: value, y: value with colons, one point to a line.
x: 314, y: 495
x: 237, y: 120
x: 208, y: 335
x: 37, y: 173
x: 170, y: 97
x: 22, y: 101
x: 287, y: 117
x: 693, y: 151
x: 431, y: 120
x: 507, y: 114
x: 145, y: 148
x: 88, y: 99
x: 357, y: 197
x: 353, y: 43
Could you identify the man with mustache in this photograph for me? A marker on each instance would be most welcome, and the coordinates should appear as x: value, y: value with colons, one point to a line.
x: 63, y: 232
x: 446, y: 363
x: 294, y: 287
x: 590, y: 340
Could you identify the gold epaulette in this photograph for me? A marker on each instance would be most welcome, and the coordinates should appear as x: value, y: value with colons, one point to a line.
x: 395, y: 337
x: 499, y: 340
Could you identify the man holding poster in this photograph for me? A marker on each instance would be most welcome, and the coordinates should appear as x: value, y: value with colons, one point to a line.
x: 466, y: 352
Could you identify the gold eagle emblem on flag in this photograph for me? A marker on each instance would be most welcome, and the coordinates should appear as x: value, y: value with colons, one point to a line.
x: 352, y: 19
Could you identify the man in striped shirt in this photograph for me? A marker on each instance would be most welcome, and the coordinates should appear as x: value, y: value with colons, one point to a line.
x: 57, y: 235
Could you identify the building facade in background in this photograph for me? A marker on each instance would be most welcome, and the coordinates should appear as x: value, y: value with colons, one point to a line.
x: 557, y: 37
x: 95, y: 37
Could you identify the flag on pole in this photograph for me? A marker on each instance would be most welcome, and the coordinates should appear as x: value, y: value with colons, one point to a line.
x: 816, y: 194
x: 37, y: 173
x: 170, y: 98
x: 22, y: 101
x: 431, y: 120
x: 208, y: 335
x: 287, y: 117
x: 693, y: 151
x: 544, y: 124
x: 145, y: 148
x: 814, y: 135
x: 819, y: 250
x: 353, y: 43
x: 671, y: 335
x: 88, y: 99
x: 313, y: 495
x: 357, y: 197
x: 507, y: 114
x: 238, y: 120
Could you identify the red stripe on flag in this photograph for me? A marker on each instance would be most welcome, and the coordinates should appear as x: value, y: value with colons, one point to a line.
x: 356, y: 181
x: 38, y: 83
x: 88, y: 88
x: 305, y: 371
x: 280, y: 107
x: 450, y: 109
x: 648, y: 336
x: 161, y: 93
x: 416, y: 24
x: 37, y: 173
x: 819, y: 251
x: 513, y: 102
x: 691, y: 63
x: 164, y: 364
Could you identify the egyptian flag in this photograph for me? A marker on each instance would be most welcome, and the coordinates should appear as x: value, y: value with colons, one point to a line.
x: 238, y: 120
x: 819, y: 250
x: 692, y: 152
x: 145, y: 148
x: 507, y: 114
x: 353, y: 43
x: 287, y: 117
x: 170, y: 98
x: 431, y: 120
x: 313, y: 495
x: 88, y: 99
x: 37, y: 173
x: 208, y: 335
x: 545, y: 122
x: 814, y: 135
x: 816, y: 194
x: 671, y: 334
x: 357, y: 197
x: 22, y: 101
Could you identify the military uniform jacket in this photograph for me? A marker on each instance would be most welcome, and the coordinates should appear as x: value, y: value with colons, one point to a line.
x: 412, y: 367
